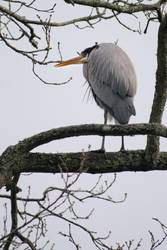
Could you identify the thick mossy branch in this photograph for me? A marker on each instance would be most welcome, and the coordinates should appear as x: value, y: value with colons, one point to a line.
x: 18, y: 159
x: 89, y: 129
x: 92, y: 162
x: 160, y: 95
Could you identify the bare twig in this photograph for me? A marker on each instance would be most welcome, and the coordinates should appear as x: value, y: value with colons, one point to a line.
x: 46, y: 82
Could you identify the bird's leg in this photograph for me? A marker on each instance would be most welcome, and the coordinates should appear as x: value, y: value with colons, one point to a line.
x: 122, y: 149
x: 103, y: 138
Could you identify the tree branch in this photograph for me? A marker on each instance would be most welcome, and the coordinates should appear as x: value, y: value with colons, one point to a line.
x: 15, y: 154
x: 27, y: 21
x: 14, y: 213
x: 25, y: 241
x: 17, y: 159
x: 95, y: 163
x: 90, y: 129
x: 127, y: 8
x: 160, y: 95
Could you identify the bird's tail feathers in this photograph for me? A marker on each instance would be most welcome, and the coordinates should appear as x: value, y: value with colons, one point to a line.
x: 123, y: 110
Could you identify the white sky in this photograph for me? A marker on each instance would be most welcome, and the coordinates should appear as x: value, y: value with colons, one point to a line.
x: 29, y: 107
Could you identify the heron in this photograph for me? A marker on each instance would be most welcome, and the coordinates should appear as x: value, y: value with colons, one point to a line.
x: 112, y: 80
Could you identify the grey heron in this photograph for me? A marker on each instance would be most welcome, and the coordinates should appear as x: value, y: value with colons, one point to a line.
x: 112, y: 79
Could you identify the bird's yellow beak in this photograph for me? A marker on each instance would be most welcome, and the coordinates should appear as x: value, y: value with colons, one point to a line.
x: 76, y: 60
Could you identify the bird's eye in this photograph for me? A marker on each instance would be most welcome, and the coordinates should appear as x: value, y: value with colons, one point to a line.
x: 84, y: 58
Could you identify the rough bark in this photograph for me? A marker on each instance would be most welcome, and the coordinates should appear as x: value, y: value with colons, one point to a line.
x: 89, y: 129
x: 92, y: 162
x: 129, y: 8
x: 160, y: 95
x: 18, y: 159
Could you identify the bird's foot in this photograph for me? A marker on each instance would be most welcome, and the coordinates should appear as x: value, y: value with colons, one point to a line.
x: 122, y: 149
x: 101, y: 151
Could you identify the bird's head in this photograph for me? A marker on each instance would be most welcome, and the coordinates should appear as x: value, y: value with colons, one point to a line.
x: 81, y: 59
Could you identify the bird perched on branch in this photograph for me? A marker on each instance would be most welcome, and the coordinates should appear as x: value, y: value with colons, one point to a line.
x: 112, y: 79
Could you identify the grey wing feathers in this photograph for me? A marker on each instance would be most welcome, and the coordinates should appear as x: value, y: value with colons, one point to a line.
x: 112, y: 79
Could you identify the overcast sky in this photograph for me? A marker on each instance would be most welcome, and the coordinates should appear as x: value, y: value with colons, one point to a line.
x: 29, y: 107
